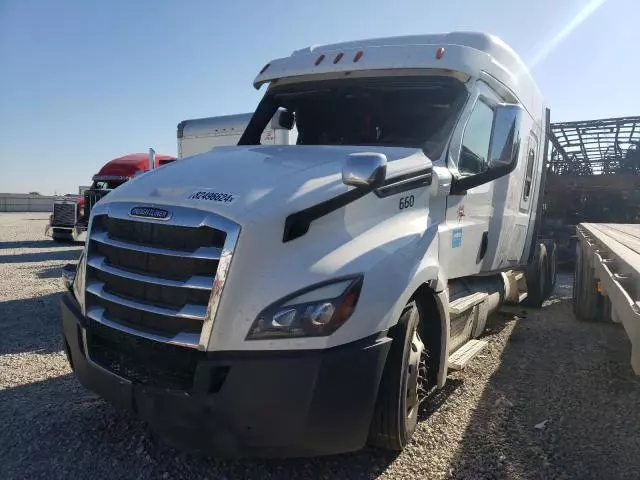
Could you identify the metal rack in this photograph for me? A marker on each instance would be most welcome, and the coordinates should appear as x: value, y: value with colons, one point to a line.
x: 593, y: 176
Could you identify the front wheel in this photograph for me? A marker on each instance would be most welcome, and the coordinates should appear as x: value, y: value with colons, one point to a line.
x: 403, y: 384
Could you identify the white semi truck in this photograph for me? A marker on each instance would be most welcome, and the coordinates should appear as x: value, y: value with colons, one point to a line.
x: 304, y: 299
x: 199, y: 135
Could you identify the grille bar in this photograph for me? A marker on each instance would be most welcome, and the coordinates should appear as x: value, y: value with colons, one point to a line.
x: 195, y: 312
x: 91, y: 197
x: 182, y: 339
x: 64, y: 214
x: 197, y: 282
x: 204, y: 253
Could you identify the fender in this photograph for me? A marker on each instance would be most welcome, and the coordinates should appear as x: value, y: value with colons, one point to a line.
x: 431, y: 276
x: 442, y: 300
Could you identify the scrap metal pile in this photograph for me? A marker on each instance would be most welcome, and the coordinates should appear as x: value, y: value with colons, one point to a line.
x: 593, y: 176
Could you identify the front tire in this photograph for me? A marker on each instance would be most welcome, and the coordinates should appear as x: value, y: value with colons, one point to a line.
x: 402, y: 386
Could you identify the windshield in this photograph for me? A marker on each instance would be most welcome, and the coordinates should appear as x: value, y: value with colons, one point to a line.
x: 107, y: 184
x: 415, y: 112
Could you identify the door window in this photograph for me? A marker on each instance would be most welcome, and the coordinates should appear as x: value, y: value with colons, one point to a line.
x: 474, y: 154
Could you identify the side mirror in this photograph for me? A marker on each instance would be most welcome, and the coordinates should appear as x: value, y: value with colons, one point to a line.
x: 364, y: 170
x: 505, y: 136
x: 283, y: 119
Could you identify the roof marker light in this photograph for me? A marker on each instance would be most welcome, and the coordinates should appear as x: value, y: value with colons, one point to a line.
x: 319, y: 60
x: 439, y: 53
x: 338, y: 58
x: 264, y: 69
x: 358, y: 56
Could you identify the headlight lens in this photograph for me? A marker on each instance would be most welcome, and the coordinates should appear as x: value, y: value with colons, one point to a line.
x: 316, y: 311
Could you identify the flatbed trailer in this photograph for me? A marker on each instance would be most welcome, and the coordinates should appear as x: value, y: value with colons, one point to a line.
x: 607, y: 278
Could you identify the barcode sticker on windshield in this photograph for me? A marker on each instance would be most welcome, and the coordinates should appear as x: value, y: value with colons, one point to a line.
x: 213, y: 196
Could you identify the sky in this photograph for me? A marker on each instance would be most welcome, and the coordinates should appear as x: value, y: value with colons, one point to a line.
x: 83, y: 82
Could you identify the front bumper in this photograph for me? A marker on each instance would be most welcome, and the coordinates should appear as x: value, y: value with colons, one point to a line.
x: 235, y: 403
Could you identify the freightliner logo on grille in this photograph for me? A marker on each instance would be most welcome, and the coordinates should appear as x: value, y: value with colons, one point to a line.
x: 150, y: 212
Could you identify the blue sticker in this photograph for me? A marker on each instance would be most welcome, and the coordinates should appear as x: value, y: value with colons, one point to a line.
x: 456, y: 238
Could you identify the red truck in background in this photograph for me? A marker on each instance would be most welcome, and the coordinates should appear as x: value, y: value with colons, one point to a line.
x: 70, y: 216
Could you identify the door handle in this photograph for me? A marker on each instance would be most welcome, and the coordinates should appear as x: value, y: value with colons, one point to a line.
x: 484, y: 244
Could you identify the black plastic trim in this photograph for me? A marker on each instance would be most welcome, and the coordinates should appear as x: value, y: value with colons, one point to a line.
x: 460, y: 185
x: 297, y: 224
x: 405, y: 182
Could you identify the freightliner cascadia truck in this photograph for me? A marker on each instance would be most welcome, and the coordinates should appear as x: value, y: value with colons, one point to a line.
x: 292, y: 300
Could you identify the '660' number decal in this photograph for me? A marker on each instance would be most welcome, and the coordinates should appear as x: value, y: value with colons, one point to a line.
x: 406, y: 202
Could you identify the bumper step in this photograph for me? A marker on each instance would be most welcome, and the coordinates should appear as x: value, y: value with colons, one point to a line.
x: 461, y: 357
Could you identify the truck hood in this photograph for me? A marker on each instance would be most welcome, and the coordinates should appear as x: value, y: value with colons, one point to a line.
x: 242, y: 183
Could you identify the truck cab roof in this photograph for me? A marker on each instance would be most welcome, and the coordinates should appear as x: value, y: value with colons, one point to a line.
x: 125, y: 167
x: 465, y: 54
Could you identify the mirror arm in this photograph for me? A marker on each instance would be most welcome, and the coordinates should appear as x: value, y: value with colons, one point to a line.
x: 460, y: 185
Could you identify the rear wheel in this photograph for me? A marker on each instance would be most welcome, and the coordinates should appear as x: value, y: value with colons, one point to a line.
x: 586, y: 304
x: 403, y: 384
x: 552, y: 270
x: 537, y: 275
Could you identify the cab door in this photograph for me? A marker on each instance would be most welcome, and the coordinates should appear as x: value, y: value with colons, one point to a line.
x: 465, y: 235
x: 483, y: 153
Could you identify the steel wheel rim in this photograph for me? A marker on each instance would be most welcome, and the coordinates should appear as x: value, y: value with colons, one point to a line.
x: 414, y: 379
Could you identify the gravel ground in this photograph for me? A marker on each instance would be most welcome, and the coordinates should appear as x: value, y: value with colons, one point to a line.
x: 549, y: 398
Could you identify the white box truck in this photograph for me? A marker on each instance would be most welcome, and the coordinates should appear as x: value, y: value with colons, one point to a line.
x: 199, y: 135
x: 303, y: 299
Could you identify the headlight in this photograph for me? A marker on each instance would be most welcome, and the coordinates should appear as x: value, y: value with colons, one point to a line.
x: 78, y: 281
x: 316, y: 311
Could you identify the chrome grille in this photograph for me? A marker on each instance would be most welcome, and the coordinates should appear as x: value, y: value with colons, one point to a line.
x: 155, y: 278
x: 91, y: 197
x: 64, y: 214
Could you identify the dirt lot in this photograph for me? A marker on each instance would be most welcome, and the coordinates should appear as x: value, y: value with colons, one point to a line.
x: 550, y: 398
